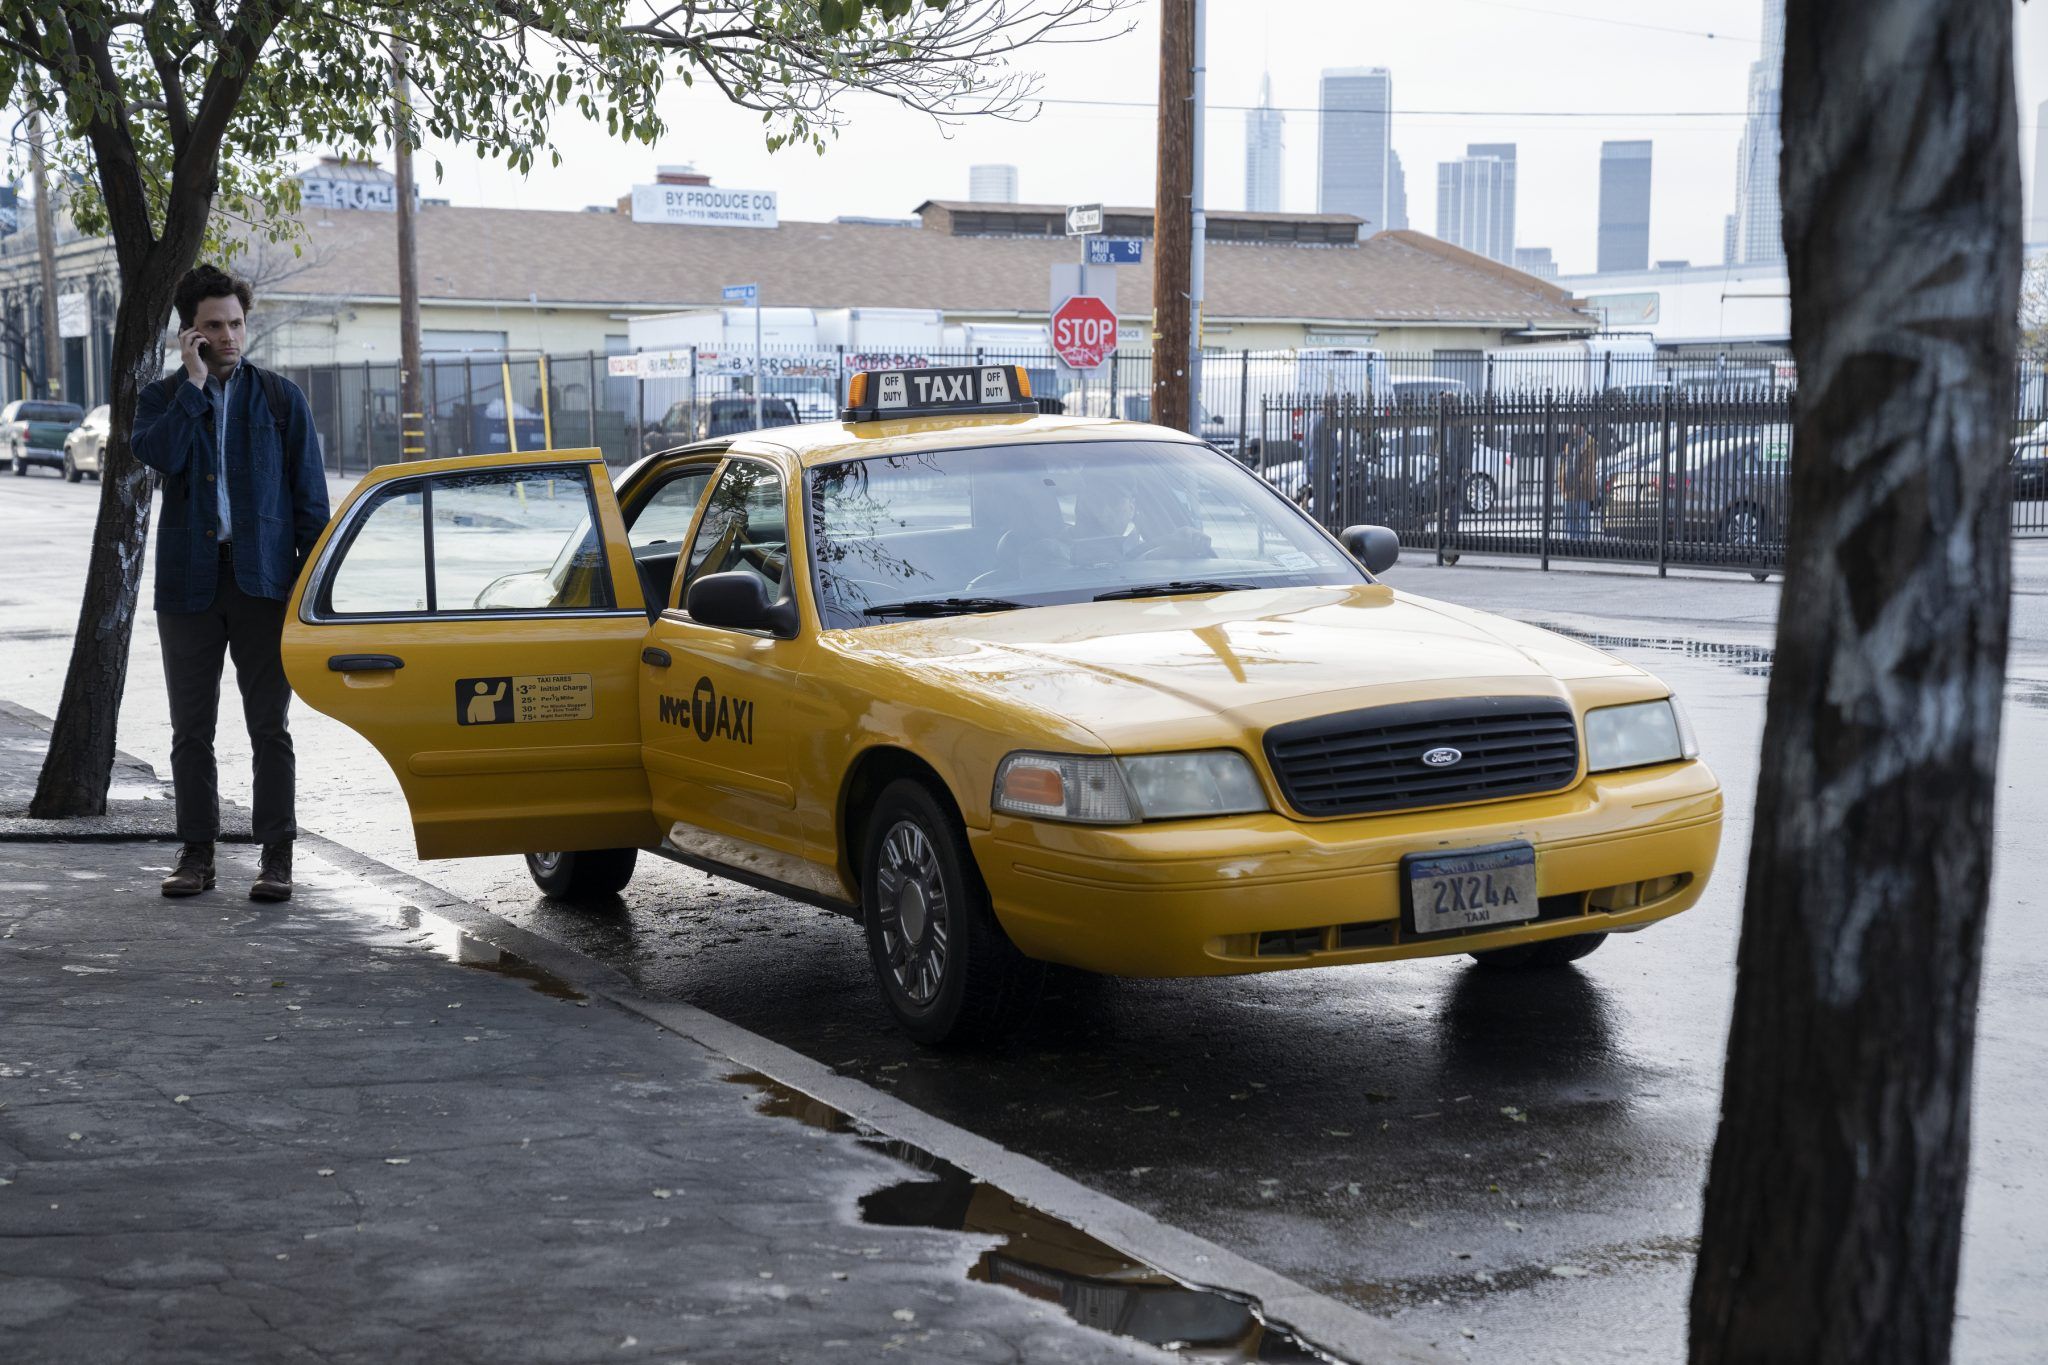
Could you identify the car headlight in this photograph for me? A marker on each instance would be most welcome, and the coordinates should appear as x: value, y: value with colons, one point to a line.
x: 1104, y: 790
x: 1641, y: 733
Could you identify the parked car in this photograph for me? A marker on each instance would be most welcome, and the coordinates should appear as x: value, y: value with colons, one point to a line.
x: 86, y: 444
x: 34, y: 430
x: 701, y: 421
x: 1726, y: 487
x: 1488, y: 476
x: 2030, y: 464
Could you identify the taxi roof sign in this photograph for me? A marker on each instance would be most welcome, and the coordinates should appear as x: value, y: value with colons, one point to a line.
x: 873, y: 395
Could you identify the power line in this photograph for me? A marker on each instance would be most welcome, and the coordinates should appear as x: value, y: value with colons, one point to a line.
x: 1618, y: 23
x: 1419, y: 113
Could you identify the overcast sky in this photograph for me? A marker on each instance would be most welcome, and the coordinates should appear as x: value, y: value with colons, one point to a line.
x: 1556, y: 77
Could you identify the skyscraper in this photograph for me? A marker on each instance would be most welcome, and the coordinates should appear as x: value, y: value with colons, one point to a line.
x: 1264, y: 145
x: 1504, y: 206
x: 1758, y: 236
x: 2037, y: 225
x: 992, y: 184
x: 1624, y: 206
x: 1397, y: 193
x: 1353, y: 143
x: 1468, y: 205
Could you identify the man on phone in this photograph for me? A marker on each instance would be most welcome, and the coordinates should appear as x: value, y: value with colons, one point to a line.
x: 245, y: 497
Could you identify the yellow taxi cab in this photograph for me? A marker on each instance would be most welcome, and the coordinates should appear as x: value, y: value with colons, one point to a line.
x: 1009, y: 687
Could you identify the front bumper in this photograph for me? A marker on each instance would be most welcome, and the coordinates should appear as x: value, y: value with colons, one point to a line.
x: 1268, y: 892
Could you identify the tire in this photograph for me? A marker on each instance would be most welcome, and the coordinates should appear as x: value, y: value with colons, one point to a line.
x: 589, y: 875
x: 946, y: 970
x: 20, y: 466
x: 1479, y: 493
x: 1551, y: 952
x: 1742, y: 526
x: 72, y: 473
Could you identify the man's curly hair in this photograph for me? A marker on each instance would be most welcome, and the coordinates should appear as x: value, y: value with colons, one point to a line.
x: 203, y: 282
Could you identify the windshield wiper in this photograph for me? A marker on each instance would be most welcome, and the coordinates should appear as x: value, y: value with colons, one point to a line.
x: 941, y: 606
x: 1179, y: 587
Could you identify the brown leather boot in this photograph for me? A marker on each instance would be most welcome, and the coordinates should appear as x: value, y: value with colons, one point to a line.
x: 194, y: 872
x: 274, y: 880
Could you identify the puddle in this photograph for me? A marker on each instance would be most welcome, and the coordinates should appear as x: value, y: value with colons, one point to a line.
x: 1752, y: 660
x: 445, y: 939
x: 1044, y: 1258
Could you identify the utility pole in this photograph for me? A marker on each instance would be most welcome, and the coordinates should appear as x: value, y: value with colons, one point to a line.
x: 1172, y: 216
x: 413, y: 419
x: 46, y: 249
x: 1198, y: 217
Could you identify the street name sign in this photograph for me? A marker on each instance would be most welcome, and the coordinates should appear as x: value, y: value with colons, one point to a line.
x: 742, y: 293
x: 1116, y: 250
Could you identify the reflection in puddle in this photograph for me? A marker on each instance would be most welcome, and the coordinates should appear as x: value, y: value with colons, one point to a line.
x: 1044, y: 1258
x: 1754, y: 660
x: 445, y: 939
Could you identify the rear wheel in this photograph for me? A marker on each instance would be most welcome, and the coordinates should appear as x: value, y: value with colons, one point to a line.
x: 586, y: 875
x: 20, y: 466
x: 1551, y: 952
x: 1480, y: 492
x: 947, y: 971
x: 1742, y: 526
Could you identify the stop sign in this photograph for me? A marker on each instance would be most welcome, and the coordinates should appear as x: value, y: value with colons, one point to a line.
x: 1083, y: 332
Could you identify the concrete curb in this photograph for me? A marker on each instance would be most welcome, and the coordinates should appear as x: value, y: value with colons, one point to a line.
x: 1342, y: 1331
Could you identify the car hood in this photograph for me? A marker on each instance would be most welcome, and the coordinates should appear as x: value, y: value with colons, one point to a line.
x: 1168, y: 668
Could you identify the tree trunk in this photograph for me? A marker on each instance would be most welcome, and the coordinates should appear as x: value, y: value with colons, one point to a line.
x: 80, y: 764
x: 1835, y: 1199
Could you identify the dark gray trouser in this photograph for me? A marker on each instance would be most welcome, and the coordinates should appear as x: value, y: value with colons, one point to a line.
x: 250, y: 629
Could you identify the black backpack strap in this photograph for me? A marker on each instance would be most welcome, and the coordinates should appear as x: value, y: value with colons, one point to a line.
x: 274, y: 397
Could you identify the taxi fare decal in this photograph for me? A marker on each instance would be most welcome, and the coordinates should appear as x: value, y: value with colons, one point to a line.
x: 513, y: 699
x: 710, y: 715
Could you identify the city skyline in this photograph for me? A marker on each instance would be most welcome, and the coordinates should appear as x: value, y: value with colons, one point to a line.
x: 1469, y: 205
x: 1094, y: 138
x: 1753, y: 235
x: 1624, y: 232
x: 1354, y: 131
x: 1265, y: 151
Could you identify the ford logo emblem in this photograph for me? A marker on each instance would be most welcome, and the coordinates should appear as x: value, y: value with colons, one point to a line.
x: 1442, y: 758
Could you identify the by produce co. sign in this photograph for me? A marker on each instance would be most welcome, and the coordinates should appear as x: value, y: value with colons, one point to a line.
x: 704, y: 206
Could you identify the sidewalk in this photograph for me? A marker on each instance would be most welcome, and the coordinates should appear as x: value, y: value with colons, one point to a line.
x: 241, y: 1132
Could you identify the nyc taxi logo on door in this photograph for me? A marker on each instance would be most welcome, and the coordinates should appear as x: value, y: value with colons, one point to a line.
x: 710, y: 715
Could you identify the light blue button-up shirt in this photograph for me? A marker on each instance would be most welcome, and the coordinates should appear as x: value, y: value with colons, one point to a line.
x: 218, y: 393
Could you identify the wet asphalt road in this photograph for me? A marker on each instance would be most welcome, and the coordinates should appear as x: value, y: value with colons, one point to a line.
x: 1520, y: 1157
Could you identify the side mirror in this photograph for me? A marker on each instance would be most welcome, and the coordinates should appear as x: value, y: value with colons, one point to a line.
x: 738, y: 600
x: 1376, y: 547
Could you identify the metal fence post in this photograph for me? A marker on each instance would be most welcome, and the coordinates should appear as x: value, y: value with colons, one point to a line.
x: 1549, y: 474
x: 590, y: 398
x: 1443, y: 458
x: 1244, y: 400
x: 1664, y: 487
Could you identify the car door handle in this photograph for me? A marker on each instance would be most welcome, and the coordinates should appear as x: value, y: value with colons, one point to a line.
x: 364, y: 663
x: 658, y: 657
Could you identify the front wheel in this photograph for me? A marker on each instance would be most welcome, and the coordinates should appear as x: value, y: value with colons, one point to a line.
x: 588, y: 875
x: 72, y: 473
x: 1480, y: 492
x: 1551, y: 952
x: 947, y: 971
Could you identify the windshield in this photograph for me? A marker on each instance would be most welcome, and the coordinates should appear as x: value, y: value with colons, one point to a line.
x: 1043, y: 524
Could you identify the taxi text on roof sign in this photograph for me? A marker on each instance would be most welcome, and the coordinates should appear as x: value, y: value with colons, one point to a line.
x: 959, y: 389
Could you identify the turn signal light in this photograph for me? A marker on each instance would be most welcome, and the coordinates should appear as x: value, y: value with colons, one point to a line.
x: 1034, y: 786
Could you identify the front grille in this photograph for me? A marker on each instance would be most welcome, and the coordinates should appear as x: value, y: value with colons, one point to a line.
x: 1371, y: 760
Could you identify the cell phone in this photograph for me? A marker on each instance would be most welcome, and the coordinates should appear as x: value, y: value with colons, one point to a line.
x: 202, y: 344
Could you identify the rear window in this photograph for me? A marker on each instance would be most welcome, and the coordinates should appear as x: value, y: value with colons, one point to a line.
x: 50, y: 412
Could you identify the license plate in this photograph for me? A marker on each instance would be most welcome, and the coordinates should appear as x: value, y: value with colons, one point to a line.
x: 1471, y: 888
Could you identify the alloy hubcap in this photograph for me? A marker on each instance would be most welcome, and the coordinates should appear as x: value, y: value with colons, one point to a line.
x: 914, y: 913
